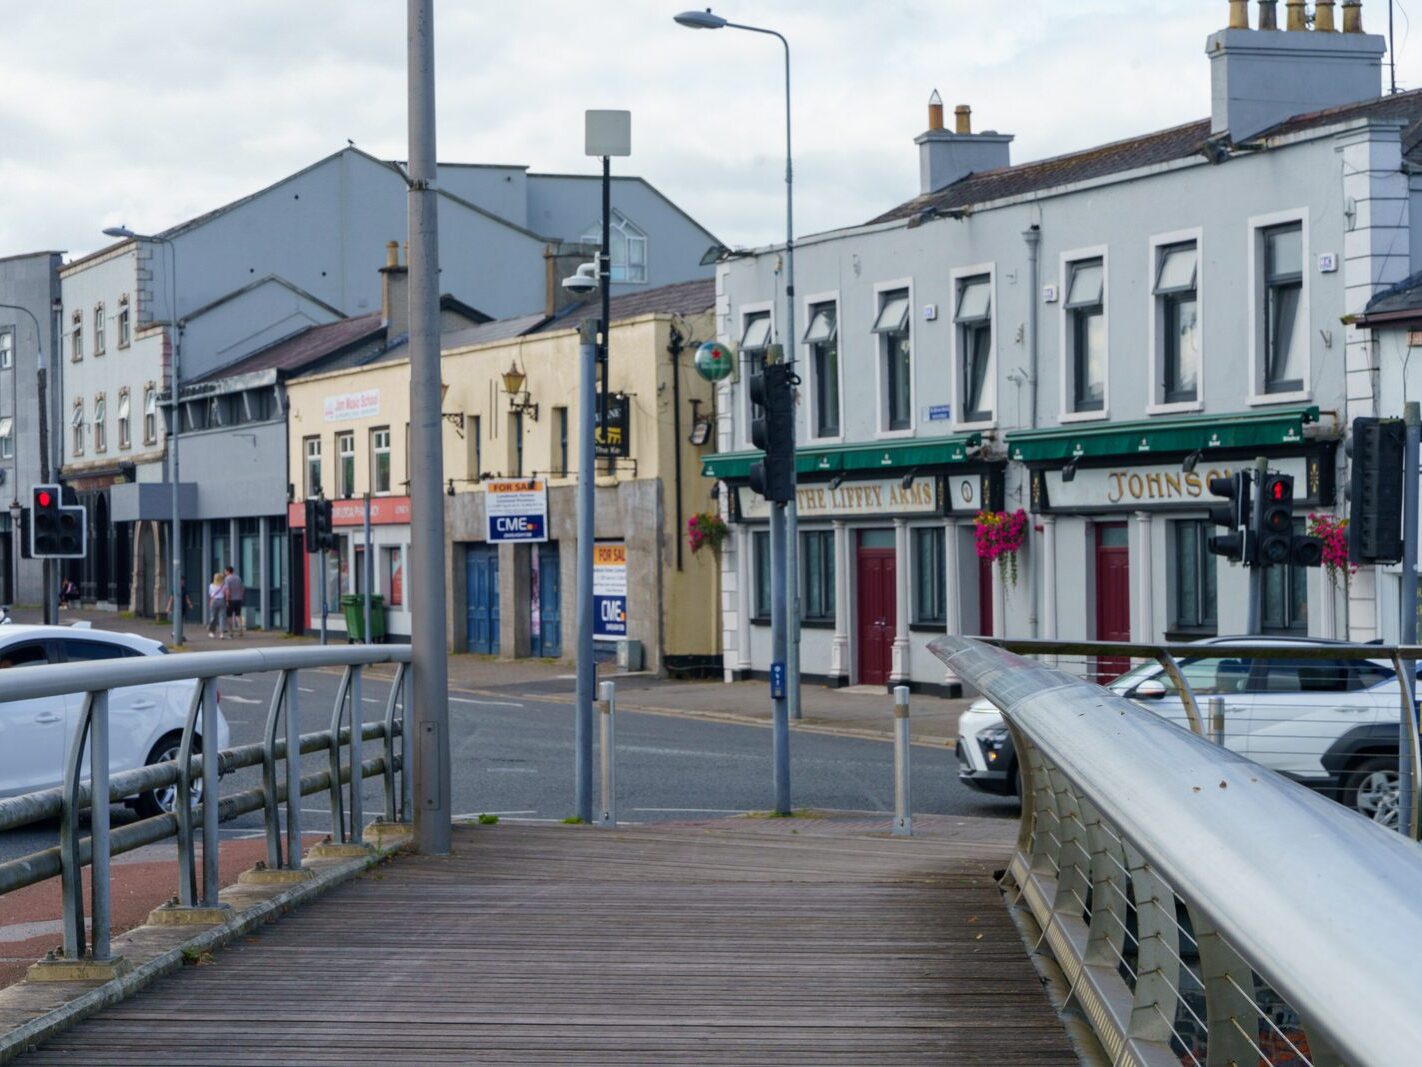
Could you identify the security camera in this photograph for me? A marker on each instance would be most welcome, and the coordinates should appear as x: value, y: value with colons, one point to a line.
x: 583, y: 280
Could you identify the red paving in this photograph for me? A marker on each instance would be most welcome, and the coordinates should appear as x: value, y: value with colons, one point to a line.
x: 140, y: 881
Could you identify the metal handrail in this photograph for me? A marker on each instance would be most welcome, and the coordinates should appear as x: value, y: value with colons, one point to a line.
x: 96, y: 680
x: 1125, y: 817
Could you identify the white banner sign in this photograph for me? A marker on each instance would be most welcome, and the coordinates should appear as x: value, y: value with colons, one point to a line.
x: 516, y: 509
x: 609, y: 591
x: 1160, y: 485
x: 886, y: 496
x: 362, y: 405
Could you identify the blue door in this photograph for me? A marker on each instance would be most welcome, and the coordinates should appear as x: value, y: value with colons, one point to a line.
x: 481, y: 590
x: 546, y: 630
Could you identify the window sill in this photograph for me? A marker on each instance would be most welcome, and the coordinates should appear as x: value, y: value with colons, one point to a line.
x: 882, y: 434
x: 760, y: 620
x: 1256, y: 400
x: 974, y: 427
x: 1175, y: 408
x: 832, y: 439
x: 817, y: 624
x: 929, y: 627
x: 1083, y: 416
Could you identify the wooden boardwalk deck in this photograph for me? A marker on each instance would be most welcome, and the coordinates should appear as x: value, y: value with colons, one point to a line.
x: 741, y: 941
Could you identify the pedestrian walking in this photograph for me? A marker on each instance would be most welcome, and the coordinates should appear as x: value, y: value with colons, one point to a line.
x: 187, y: 601
x: 216, y: 606
x: 236, y: 593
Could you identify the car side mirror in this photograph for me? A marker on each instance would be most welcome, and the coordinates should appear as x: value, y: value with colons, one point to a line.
x: 1150, y: 689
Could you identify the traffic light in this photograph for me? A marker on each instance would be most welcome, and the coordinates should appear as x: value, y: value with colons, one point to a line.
x: 774, y: 432
x: 57, y: 530
x: 1375, y: 490
x: 1274, y: 520
x: 1237, y: 545
x: 319, y: 536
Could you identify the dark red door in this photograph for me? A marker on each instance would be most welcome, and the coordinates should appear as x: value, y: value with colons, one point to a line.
x: 1113, y: 595
x: 985, y: 567
x: 876, y: 607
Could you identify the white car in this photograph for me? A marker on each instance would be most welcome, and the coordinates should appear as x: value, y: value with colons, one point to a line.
x: 145, y: 721
x: 1331, y: 724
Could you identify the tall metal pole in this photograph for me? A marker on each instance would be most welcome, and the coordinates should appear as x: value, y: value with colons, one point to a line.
x: 586, y: 668
x: 325, y: 593
x: 604, y: 271
x: 369, y: 569
x: 56, y: 453
x: 17, y: 532
x: 1256, y: 571
x: 175, y: 428
x: 780, y: 716
x: 1412, y: 421
x: 427, y: 629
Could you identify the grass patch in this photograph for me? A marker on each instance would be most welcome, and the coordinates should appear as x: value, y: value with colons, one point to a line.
x: 486, y: 819
x: 193, y: 957
x: 794, y: 813
x: 574, y: 820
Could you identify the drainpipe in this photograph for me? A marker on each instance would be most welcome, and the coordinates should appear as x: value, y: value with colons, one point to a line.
x: 674, y: 349
x: 1033, y: 236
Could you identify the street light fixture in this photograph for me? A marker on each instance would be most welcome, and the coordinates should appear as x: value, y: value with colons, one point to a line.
x: 175, y: 590
x: 790, y: 612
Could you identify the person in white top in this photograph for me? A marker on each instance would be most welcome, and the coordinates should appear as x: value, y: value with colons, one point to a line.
x: 216, y: 606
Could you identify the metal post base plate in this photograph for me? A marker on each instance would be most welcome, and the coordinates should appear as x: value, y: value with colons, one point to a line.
x: 177, y: 915
x: 78, y: 970
x: 275, y: 876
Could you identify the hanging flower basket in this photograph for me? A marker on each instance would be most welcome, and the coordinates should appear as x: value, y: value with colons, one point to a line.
x: 1333, y: 532
x: 706, y: 529
x: 999, y: 536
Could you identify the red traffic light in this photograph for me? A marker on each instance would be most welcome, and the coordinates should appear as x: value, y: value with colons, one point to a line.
x: 43, y: 498
x: 1279, y: 490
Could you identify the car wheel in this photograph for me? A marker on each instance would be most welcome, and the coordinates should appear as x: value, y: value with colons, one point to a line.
x: 1372, y: 788
x: 163, y: 801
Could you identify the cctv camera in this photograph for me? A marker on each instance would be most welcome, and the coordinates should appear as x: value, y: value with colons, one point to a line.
x: 583, y: 280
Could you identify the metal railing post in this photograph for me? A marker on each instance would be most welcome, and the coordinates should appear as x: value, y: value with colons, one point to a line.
x: 271, y: 816
x: 389, y: 745
x: 407, y: 769
x: 1217, y: 720
x: 71, y: 873
x: 99, y: 822
x: 293, y: 772
x: 903, y: 815
x: 210, y: 874
x: 338, y: 818
x: 607, y: 710
x: 1187, y: 695
x: 357, y: 752
x: 183, y: 802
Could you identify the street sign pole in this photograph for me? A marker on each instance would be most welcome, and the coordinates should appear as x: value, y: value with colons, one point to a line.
x: 780, y: 712
x: 586, y: 668
x: 369, y: 569
x: 325, y: 581
x: 1412, y: 421
x: 1256, y: 570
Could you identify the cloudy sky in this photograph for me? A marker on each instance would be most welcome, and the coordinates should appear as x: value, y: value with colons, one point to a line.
x: 148, y: 113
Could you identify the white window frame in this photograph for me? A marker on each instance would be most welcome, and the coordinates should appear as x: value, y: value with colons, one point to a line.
x: 311, y: 490
x: 76, y: 336
x: 150, y: 412
x: 343, y: 490
x: 375, y: 451
x: 956, y: 355
x: 76, y: 428
x: 807, y: 360
x: 881, y: 398
x: 99, y: 331
x: 101, y: 420
x: 125, y: 323
x: 7, y: 437
x: 1157, y: 404
x: 1257, y: 224
x: 7, y: 349
x: 1076, y: 255
x: 743, y: 406
x: 620, y: 225
x: 125, y: 419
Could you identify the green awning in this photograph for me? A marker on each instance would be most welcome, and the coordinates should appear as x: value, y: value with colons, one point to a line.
x: 914, y: 452
x: 1250, y: 429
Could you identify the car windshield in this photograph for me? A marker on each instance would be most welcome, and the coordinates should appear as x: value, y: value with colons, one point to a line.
x: 1204, y: 675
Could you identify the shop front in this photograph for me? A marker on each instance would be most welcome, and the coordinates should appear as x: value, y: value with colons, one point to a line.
x: 345, y: 565
x: 1122, y: 514
x: 885, y: 562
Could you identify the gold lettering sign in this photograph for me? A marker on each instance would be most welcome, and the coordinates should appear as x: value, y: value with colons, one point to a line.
x: 888, y: 497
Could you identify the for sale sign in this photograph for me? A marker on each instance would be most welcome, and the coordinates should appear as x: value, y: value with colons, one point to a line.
x: 609, y: 591
x: 517, y: 509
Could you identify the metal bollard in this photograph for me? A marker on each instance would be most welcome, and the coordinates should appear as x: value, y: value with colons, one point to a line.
x: 607, y: 709
x: 99, y: 822
x: 903, y: 817
x: 1217, y: 720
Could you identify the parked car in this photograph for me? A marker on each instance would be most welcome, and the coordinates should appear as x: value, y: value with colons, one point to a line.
x: 1330, y: 724
x: 145, y: 721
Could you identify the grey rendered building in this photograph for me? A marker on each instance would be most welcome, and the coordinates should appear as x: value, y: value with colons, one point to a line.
x: 1088, y: 338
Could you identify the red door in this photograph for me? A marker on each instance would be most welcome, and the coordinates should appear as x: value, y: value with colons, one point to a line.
x: 876, y: 573
x: 1113, y: 595
x: 985, y: 567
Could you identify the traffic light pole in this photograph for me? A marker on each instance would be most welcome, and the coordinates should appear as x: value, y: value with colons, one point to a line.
x: 325, y: 607
x: 586, y: 683
x: 1256, y: 572
x: 1412, y: 421
x: 780, y: 713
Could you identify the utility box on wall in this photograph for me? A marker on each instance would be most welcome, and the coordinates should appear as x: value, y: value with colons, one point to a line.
x: 629, y: 655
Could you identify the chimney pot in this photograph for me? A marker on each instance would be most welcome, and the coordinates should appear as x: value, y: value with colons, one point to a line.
x: 1352, y: 16
x: 1268, y: 15
x: 1294, y: 20
x: 935, y: 111
x: 1323, y: 16
x: 1239, y: 14
x: 962, y: 119
x: 392, y: 253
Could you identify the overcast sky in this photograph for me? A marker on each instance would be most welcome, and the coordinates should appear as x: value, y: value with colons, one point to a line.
x: 151, y: 112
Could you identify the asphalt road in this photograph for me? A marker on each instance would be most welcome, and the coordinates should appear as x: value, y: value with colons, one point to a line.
x: 513, y: 756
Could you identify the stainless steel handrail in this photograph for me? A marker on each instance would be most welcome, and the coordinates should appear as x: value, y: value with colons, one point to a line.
x: 1143, y: 847
x: 96, y: 680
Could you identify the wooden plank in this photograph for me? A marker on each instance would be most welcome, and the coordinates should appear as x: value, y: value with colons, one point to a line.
x: 797, y: 941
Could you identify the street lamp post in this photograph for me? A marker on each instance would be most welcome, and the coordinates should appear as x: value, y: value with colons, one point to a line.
x: 16, y: 532
x: 706, y: 20
x: 175, y: 589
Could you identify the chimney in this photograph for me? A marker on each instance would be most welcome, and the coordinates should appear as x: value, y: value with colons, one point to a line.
x: 945, y: 157
x: 394, y: 293
x: 1259, y: 79
x: 1323, y: 16
x: 1239, y: 14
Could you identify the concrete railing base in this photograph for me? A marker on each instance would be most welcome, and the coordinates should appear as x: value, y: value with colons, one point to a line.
x: 78, y: 970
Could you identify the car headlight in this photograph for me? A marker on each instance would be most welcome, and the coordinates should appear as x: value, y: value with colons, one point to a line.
x: 992, y: 741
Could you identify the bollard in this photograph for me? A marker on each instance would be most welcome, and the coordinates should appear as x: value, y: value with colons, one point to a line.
x: 607, y: 709
x: 1217, y: 720
x: 903, y: 817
